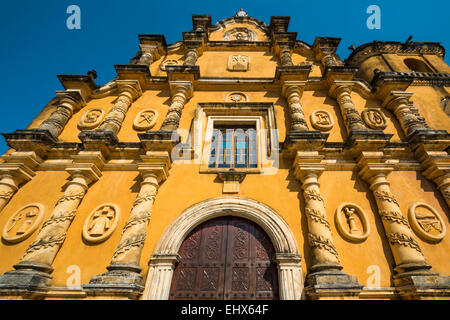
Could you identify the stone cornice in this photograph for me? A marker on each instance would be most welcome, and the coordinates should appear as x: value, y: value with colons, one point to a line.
x: 368, y: 50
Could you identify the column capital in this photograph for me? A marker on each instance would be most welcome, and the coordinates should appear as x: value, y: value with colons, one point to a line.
x: 131, y: 87
x: 71, y: 97
x: 157, y: 163
x: 396, y: 97
x: 87, y: 164
x: 185, y: 88
x: 375, y: 165
x: 308, y: 164
x: 290, y: 87
x: 338, y: 87
x: 287, y: 259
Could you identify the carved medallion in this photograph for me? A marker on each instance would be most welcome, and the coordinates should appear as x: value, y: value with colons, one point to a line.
x: 101, y: 223
x: 322, y: 120
x: 426, y: 222
x: 236, y: 97
x: 374, y: 119
x: 145, y: 120
x: 238, y: 62
x: 352, y: 222
x: 240, y: 34
x: 23, y: 223
x: 91, y: 119
x: 169, y: 62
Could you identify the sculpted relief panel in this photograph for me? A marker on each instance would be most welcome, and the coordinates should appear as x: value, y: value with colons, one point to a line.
x: 101, y: 223
x: 322, y: 120
x: 145, y: 120
x: 23, y: 223
x: 91, y: 119
x: 374, y: 119
x: 426, y: 222
x: 240, y: 34
x: 238, y: 63
x: 352, y: 222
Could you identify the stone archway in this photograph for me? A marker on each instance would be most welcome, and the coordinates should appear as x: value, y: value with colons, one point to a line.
x: 162, y: 262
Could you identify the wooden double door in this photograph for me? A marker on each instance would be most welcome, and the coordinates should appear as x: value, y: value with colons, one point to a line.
x: 226, y: 258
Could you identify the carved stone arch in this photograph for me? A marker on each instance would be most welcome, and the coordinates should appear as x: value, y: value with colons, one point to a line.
x: 165, y: 256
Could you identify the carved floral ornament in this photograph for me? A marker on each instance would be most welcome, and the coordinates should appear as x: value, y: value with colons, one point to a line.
x: 145, y: 120
x: 236, y: 97
x: 352, y: 222
x: 168, y: 62
x: 426, y: 222
x: 322, y: 120
x: 101, y: 223
x: 23, y: 223
x: 240, y: 34
x: 91, y: 119
x: 374, y: 119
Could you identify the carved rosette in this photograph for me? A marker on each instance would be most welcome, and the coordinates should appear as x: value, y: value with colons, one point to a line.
x: 133, y: 236
x: 298, y: 121
x: 53, y: 232
x: 67, y: 105
x: 319, y: 231
x: 114, y: 119
x: 352, y: 119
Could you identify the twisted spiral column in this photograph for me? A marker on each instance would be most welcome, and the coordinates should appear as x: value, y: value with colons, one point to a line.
x: 59, y: 118
x: 172, y: 120
x: 298, y: 121
x: 352, y: 118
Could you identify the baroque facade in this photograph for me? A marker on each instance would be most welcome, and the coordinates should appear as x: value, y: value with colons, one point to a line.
x: 238, y: 163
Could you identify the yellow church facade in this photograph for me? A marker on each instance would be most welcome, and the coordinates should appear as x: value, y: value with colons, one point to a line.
x: 237, y: 163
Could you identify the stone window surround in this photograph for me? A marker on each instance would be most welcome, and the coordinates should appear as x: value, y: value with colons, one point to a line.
x: 259, y: 114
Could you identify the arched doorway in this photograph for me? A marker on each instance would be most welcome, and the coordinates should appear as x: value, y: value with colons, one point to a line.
x: 226, y: 258
x: 165, y: 255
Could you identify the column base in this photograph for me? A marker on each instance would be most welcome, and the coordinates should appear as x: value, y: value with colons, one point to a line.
x: 431, y: 286
x: 331, y: 284
x: 120, y: 280
x: 28, y: 278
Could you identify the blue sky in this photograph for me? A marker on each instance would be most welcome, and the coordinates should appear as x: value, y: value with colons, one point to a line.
x: 36, y: 44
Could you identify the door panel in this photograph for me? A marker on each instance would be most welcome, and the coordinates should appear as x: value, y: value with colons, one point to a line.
x: 226, y: 258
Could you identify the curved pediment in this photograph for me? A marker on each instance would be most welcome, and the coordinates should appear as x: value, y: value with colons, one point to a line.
x: 240, y: 28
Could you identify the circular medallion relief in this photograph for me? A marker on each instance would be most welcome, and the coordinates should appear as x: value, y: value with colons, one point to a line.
x: 101, y: 223
x: 352, y: 222
x: 145, y: 119
x: 23, y: 223
x: 91, y: 119
x: 426, y: 222
x: 374, y: 119
x: 322, y: 120
x: 236, y: 97
x: 169, y: 62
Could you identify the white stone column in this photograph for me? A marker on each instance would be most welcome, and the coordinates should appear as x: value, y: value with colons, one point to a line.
x: 160, y: 274
x: 290, y: 278
x: 293, y: 92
